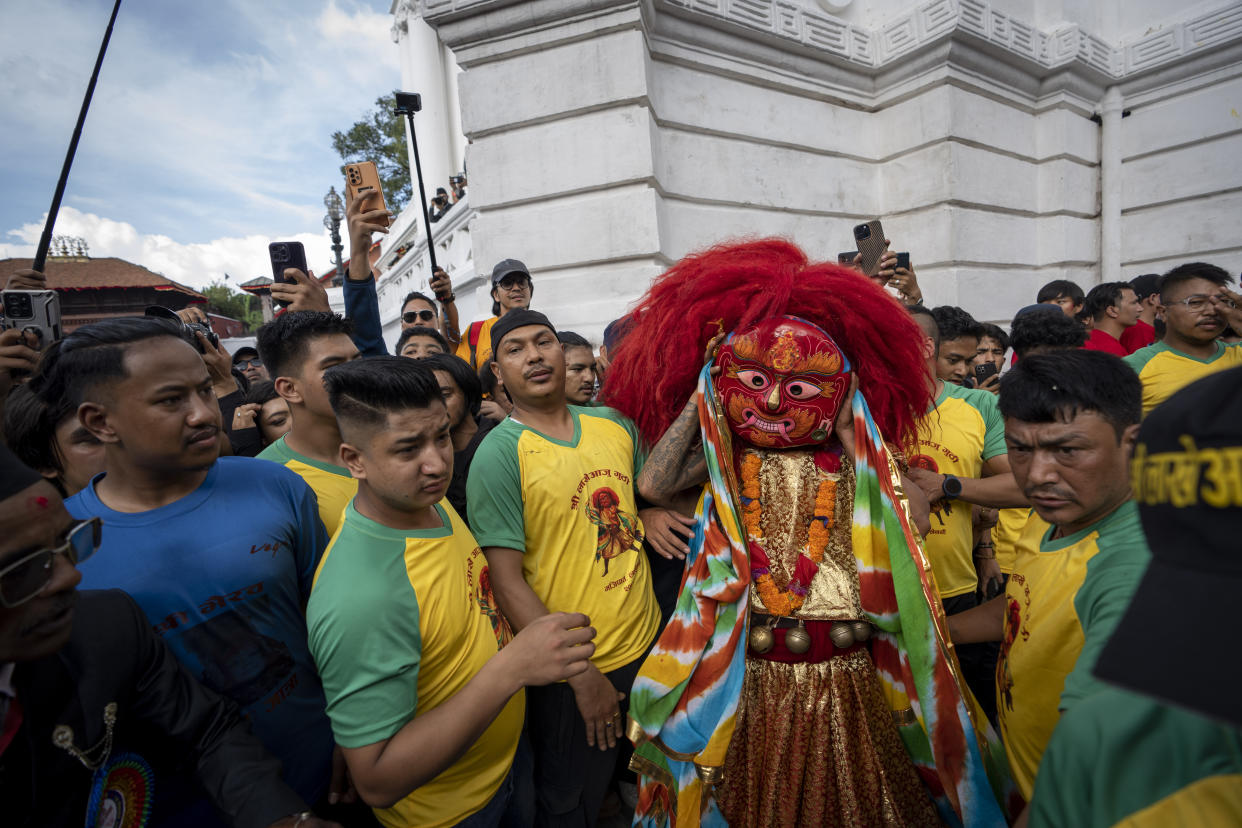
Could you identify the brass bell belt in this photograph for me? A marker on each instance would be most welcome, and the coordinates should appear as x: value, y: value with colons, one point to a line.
x: 788, y: 639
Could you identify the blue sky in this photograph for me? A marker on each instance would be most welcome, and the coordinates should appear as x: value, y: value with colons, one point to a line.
x: 209, y: 133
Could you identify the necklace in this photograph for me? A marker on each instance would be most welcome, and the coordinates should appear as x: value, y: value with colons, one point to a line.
x: 784, y: 601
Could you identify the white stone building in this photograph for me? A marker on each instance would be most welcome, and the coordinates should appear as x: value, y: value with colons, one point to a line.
x: 1004, y: 143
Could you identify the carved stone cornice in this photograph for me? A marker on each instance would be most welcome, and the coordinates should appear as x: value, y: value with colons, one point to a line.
x: 879, y: 52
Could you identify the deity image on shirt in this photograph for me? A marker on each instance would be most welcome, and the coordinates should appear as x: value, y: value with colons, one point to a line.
x: 487, y: 603
x: 1013, y: 626
x: 619, y: 531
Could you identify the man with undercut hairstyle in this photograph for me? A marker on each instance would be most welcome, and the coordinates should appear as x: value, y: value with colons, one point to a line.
x: 959, y: 342
x: 297, y: 348
x: 1198, y: 307
x: 1143, y: 333
x: 552, y: 503
x: 404, y: 628
x: 219, y: 553
x: 1071, y: 419
x: 1113, y: 308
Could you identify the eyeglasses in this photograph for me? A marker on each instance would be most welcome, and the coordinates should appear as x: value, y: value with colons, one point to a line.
x: 1199, y: 303
x: 410, y: 317
x: 22, y: 580
x: 243, y: 364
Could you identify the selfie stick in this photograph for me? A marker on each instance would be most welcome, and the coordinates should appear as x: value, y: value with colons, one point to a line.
x: 45, y: 240
x: 407, y: 104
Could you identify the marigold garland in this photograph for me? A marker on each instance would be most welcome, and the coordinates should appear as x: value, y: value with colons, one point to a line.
x: 786, y: 601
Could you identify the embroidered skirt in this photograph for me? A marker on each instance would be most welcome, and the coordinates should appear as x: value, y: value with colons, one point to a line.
x: 815, y: 746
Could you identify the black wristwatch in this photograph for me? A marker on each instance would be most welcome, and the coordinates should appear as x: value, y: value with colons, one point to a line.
x: 952, y: 487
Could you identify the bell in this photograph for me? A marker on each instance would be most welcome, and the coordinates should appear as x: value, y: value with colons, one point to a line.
x: 819, y: 435
x: 842, y: 634
x: 798, y: 640
x: 761, y: 639
x: 862, y: 630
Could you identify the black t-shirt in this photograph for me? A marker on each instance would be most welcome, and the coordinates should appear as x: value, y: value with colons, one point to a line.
x: 461, y: 468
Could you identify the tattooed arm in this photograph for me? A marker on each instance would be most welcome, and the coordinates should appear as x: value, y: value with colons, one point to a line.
x: 676, y: 462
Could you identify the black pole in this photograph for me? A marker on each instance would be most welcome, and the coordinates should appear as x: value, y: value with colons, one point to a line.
x: 45, y: 240
x: 422, y: 192
x: 337, y: 250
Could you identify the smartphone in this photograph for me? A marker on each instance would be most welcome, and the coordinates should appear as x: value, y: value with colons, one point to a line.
x: 37, y: 311
x: 363, y: 182
x: 870, y: 238
x: 903, y: 261
x: 984, y: 370
x: 847, y: 258
x: 283, y: 255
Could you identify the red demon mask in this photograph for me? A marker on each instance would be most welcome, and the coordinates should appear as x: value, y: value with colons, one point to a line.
x: 782, y: 383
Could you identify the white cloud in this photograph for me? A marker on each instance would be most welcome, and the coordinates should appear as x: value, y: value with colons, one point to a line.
x: 194, y: 264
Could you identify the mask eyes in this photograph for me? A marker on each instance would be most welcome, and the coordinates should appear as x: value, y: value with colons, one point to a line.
x: 756, y: 380
x: 801, y: 390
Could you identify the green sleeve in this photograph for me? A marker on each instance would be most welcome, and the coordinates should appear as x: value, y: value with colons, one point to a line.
x: 363, y: 623
x: 993, y: 424
x: 640, y: 447
x: 1113, y: 575
x: 1062, y: 794
x: 494, y: 491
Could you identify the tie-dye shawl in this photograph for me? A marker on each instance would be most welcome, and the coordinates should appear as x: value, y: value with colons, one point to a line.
x: 683, y: 706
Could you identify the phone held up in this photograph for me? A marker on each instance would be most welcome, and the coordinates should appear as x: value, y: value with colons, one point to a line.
x: 283, y: 255
x: 983, y: 371
x: 35, y: 311
x: 870, y: 239
x: 362, y: 181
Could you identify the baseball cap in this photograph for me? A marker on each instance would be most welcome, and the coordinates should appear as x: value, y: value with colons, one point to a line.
x: 506, y: 267
x: 1146, y: 285
x: 1176, y: 640
x: 244, y: 352
x: 518, y: 318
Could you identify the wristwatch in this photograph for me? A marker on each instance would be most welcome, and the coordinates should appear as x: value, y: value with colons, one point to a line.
x: 952, y: 487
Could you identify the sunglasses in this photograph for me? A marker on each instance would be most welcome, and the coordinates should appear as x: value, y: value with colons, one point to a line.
x: 22, y: 580
x: 243, y: 364
x: 410, y: 317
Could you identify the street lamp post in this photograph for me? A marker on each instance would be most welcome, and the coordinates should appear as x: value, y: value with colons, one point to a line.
x: 332, y: 221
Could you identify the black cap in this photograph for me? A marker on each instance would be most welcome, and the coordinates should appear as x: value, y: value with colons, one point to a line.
x: 1146, y: 285
x: 1178, y: 640
x: 440, y: 191
x: 15, y: 476
x: 506, y: 267
x: 244, y: 351
x: 517, y: 318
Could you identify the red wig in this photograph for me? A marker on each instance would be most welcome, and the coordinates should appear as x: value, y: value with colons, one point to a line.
x: 655, y: 368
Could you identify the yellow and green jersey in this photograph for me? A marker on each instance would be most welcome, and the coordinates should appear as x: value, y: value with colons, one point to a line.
x: 333, y: 485
x: 1062, y: 603
x: 569, y: 507
x: 1016, y: 530
x: 963, y: 430
x: 1123, y: 759
x: 399, y: 621
x: 1165, y: 371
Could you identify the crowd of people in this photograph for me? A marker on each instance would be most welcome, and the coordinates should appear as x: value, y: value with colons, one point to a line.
x: 791, y: 549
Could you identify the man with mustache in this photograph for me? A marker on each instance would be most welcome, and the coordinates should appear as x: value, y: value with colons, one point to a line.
x: 533, y: 486
x: 219, y: 553
x: 1071, y: 418
x: 78, y: 667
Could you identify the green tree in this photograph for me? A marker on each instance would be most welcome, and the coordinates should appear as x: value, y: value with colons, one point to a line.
x: 225, y: 301
x: 379, y: 137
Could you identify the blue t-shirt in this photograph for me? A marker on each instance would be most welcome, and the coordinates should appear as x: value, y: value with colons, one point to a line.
x: 223, y: 575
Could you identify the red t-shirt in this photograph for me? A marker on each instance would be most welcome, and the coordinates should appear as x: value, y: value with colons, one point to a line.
x: 1106, y: 342
x: 1137, y: 336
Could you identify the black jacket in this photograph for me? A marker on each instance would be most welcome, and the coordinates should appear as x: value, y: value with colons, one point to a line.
x: 161, y: 712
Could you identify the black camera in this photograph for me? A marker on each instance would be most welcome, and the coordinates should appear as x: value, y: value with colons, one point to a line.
x: 407, y: 103
x: 187, y: 328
